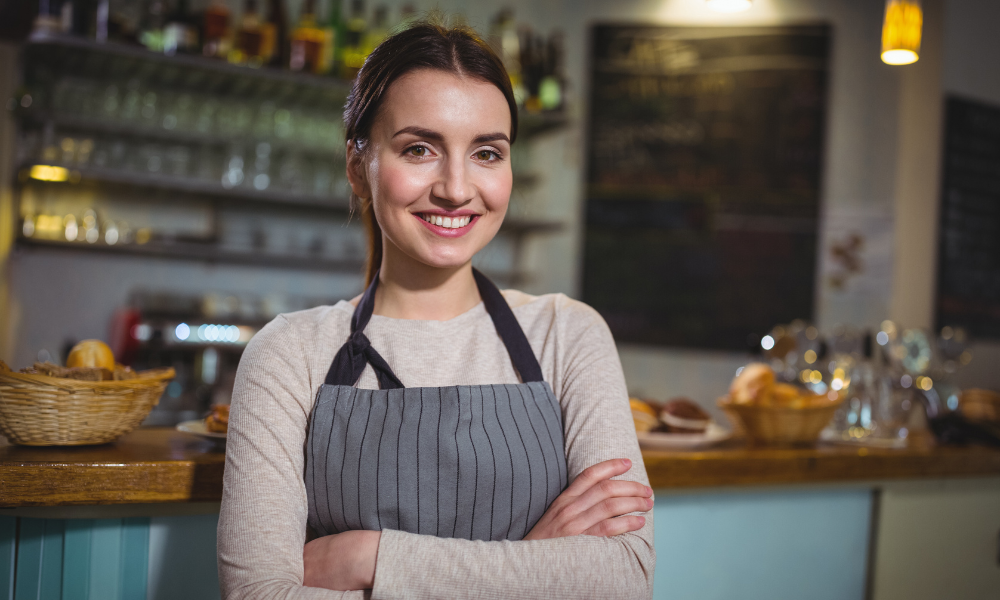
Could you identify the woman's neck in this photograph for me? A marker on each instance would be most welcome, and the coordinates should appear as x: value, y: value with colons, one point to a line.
x: 409, y: 289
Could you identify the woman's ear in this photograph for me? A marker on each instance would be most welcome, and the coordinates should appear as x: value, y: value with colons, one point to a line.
x: 357, y: 175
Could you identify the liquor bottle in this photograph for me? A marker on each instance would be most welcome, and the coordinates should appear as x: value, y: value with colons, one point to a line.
x: 216, y: 30
x: 333, y: 36
x: 151, y: 30
x: 247, y: 49
x: 550, y: 90
x: 505, y: 41
x: 307, y: 41
x: 180, y: 34
x: 377, y: 32
x: 354, y: 55
x: 274, y: 35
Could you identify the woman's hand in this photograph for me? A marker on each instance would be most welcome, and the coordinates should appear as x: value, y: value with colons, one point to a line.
x: 594, y: 504
x: 343, y: 561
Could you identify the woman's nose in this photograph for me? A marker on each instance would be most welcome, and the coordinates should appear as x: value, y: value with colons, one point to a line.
x: 453, y: 185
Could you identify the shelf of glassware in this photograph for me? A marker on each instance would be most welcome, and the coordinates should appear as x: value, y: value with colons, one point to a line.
x: 111, y: 61
x: 212, y: 252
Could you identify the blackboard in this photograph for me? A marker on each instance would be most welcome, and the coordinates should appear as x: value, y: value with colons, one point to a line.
x: 969, y: 248
x: 703, y: 176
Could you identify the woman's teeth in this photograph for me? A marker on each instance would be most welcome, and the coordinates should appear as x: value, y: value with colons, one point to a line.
x: 449, y: 222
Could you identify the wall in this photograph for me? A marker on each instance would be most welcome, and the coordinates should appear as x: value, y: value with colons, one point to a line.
x: 971, y: 56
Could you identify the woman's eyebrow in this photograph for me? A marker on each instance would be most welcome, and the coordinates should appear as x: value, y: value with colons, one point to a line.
x: 433, y: 135
x: 491, y: 137
x: 419, y: 132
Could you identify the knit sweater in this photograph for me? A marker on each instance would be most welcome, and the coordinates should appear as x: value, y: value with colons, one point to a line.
x: 262, y: 526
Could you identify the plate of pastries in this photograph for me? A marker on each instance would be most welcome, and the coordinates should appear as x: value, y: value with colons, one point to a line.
x: 215, y: 425
x: 677, y: 424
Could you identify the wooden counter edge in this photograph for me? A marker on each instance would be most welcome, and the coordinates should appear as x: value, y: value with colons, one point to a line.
x: 53, y: 484
x: 747, y: 468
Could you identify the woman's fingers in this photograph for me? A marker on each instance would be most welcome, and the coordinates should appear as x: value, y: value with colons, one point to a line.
x: 602, y: 491
x: 597, y: 473
x: 616, y: 526
x: 609, y: 509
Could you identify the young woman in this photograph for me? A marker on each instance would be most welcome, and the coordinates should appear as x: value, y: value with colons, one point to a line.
x: 433, y: 438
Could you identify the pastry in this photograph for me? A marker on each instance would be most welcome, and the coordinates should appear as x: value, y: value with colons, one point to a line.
x: 684, y: 416
x: 750, y: 383
x: 643, y: 415
x: 218, y: 420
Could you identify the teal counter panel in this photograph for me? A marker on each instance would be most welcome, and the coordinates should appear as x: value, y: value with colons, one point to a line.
x: 762, y: 545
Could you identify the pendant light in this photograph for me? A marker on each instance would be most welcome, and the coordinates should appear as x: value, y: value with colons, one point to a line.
x: 901, y: 32
x: 729, y: 6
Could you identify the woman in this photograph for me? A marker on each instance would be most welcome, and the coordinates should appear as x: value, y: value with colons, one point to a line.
x: 425, y: 432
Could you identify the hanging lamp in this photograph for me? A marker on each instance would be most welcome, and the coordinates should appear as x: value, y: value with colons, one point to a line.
x: 901, y: 32
x: 729, y: 6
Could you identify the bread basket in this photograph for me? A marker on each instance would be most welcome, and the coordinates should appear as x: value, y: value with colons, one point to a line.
x: 38, y: 410
x: 777, y: 425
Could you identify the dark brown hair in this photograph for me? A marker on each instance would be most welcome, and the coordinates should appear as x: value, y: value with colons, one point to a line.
x: 455, y: 50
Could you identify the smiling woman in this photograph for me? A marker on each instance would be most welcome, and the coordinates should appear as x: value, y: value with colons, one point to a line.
x: 507, y: 465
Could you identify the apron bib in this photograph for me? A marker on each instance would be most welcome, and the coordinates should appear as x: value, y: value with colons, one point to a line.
x: 479, y: 462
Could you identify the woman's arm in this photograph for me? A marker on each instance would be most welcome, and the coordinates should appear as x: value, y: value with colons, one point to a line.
x: 587, y: 378
x: 262, y: 525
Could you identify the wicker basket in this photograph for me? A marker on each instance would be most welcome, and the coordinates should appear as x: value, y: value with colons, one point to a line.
x: 781, y: 425
x: 37, y: 410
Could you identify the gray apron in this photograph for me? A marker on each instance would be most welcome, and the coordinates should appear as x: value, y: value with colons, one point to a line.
x: 480, y: 462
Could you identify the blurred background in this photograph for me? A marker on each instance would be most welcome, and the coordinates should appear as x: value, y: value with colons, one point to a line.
x: 725, y: 181
x: 698, y: 176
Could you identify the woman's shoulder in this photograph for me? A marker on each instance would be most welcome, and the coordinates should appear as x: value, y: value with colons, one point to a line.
x: 307, y: 328
x: 552, y: 310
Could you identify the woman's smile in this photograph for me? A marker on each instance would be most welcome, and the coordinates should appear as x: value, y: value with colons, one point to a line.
x: 451, y: 224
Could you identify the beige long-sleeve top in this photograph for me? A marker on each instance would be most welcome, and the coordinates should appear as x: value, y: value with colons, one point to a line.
x: 262, y: 526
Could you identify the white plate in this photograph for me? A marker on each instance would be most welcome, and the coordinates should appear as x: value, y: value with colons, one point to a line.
x: 198, y: 428
x: 684, y: 441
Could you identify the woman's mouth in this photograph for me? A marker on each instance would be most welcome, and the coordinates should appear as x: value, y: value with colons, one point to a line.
x: 445, y: 226
x: 447, y: 222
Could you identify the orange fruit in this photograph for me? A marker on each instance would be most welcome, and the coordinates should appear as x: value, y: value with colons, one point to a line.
x: 91, y: 353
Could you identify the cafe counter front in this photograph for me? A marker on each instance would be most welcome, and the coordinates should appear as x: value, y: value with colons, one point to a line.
x: 136, y: 519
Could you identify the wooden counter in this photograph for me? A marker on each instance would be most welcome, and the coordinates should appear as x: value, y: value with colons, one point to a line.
x: 146, y: 466
x: 162, y: 465
x: 737, y: 465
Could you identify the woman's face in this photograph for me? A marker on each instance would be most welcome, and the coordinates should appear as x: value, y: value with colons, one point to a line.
x: 438, y: 167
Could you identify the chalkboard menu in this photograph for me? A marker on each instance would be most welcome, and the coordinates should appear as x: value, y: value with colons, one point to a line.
x: 969, y: 248
x: 704, y: 165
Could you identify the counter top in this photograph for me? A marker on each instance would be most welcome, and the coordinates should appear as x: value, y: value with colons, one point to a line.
x: 735, y: 464
x: 151, y: 466
x: 161, y: 465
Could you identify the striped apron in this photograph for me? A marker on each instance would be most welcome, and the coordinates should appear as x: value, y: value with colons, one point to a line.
x: 480, y: 462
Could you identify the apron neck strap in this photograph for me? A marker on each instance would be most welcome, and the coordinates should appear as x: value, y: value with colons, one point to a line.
x: 357, y: 352
x: 509, y: 330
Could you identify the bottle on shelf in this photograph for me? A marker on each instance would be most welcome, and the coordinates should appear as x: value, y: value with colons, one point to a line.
x: 505, y: 42
x: 377, y: 32
x: 307, y: 41
x: 216, y: 30
x: 249, y: 38
x: 180, y: 34
x: 550, y: 89
x: 353, y: 54
x: 333, y: 36
x: 151, y: 30
x: 274, y: 35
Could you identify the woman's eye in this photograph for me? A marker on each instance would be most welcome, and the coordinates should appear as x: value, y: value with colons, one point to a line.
x: 417, y: 151
x: 486, y: 155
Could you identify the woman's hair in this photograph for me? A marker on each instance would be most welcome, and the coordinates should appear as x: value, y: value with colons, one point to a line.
x: 455, y: 50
